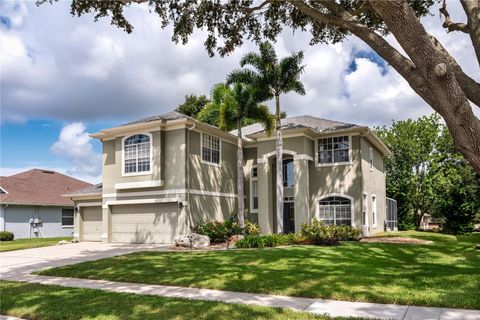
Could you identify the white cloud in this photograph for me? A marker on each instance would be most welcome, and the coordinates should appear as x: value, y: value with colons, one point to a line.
x: 73, y: 69
x: 75, y: 145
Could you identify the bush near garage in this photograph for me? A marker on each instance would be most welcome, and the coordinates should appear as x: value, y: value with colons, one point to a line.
x: 220, y: 232
x: 6, y: 236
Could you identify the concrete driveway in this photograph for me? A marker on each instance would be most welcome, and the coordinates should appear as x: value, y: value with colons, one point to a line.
x: 23, y: 262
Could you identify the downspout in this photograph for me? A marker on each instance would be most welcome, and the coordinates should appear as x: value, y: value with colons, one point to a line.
x: 188, y: 171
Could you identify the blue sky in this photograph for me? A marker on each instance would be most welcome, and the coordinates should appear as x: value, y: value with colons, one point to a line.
x: 88, y: 76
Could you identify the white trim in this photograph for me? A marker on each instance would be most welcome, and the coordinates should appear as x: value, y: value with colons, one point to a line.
x: 219, y: 164
x: 89, y: 204
x: 213, y: 193
x: 104, y: 235
x: 142, y: 173
x: 3, y: 190
x: 334, y: 164
x: 76, y: 235
x: 169, y: 192
x: 302, y: 157
x: 317, y: 205
x: 252, y: 210
x: 374, y: 210
x: 365, y: 208
x: 79, y: 195
x: 141, y: 201
x: 139, y: 184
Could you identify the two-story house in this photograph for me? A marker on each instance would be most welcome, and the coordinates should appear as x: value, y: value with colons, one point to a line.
x: 164, y: 174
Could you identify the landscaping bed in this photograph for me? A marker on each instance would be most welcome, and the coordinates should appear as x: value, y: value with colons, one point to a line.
x: 445, y: 273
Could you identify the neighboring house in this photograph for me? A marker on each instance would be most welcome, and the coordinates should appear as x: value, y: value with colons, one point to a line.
x: 164, y: 174
x: 32, y: 205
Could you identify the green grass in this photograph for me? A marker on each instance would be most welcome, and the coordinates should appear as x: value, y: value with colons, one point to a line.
x: 20, y: 244
x: 445, y: 273
x: 36, y: 301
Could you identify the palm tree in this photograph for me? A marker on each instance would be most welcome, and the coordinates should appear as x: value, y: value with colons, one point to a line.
x: 273, y: 78
x: 236, y: 105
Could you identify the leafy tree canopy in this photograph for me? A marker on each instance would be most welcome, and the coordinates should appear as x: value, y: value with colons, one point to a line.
x: 192, y: 105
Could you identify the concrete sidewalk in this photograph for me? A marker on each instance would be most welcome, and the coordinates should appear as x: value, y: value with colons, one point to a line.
x: 37, y: 259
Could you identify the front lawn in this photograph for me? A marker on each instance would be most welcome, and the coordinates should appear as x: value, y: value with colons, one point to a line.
x: 445, y: 273
x: 20, y: 244
x: 41, y: 302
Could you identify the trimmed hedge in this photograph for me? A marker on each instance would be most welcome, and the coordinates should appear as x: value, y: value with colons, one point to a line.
x: 270, y: 240
x: 319, y: 233
x: 220, y: 232
x: 6, y: 236
x: 315, y: 233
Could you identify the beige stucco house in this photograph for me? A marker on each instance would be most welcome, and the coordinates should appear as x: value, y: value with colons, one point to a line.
x: 164, y: 174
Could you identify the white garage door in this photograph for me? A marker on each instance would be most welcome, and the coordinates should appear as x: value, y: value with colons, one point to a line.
x: 92, y: 223
x: 145, y: 223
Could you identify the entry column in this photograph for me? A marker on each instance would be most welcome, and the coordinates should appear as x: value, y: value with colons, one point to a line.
x: 302, y: 191
x: 265, y: 218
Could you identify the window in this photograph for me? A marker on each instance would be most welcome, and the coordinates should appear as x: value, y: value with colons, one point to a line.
x: 335, y: 210
x: 333, y: 150
x: 374, y: 211
x: 254, y: 189
x: 288, y: 173
x: 67, y: 217
x: 370, y: 158
x: 210, y: 149
x: 137, y: 154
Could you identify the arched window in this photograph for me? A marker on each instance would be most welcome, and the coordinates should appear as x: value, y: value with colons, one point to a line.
x: 137, y: 153
x: 335, y: 210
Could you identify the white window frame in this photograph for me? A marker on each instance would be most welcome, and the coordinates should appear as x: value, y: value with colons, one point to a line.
x: 141, y: 173
x: 252, y: 179
x: 374, y: 211
x: 352, y: 206
x: 73, y: 219
x: 333, y: 164
x: 219, y: 164
x: 365, y: 208
x: 370, y: 157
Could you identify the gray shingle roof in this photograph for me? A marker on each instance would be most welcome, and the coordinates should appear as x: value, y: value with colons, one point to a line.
x: 93, y: 189
x: 314, y: 123
x: 172, y: 115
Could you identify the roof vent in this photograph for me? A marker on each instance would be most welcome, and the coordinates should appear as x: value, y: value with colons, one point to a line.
x: 48, y: 171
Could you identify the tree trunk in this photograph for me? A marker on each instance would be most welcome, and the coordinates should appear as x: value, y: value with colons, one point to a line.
x: 279, y: 154
x: 446, y: 95
x: 240, y: 189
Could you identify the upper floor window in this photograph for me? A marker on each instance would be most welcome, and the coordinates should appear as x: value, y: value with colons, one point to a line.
x: 67, y: 217
x: 335, y: 210
x: 137, y: 154
x: 333, y: 150
x: 210, y: 149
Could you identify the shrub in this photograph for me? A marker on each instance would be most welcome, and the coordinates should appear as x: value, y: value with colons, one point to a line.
x: 219, y: 232
x: 6, y: 236
x: 319, y: 233
x: 270, y: 240
x: 347, y: 233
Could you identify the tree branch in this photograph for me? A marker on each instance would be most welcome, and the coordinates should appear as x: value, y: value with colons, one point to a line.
x: 448, y: 24
x: 472, y: 10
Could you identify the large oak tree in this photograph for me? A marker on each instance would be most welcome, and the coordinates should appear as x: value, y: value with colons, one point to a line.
x: 431, y: 71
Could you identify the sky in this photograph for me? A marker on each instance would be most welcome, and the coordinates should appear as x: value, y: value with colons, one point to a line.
x: 65, y: 77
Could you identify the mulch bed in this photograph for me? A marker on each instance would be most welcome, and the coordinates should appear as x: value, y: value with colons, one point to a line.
x: 401, y: 240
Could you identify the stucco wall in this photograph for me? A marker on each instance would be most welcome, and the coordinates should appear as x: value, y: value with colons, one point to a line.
x: 374, y: 183
x: 339, y: 179
x: 209, y: 177
x: 17, y: 221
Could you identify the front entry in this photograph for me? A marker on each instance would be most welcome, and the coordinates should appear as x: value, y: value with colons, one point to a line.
x: 289, y: 217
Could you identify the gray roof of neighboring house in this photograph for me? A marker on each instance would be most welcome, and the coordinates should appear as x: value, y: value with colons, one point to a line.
x: 313, y: 123
x: 172, y: 115
x: 93, y: 189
